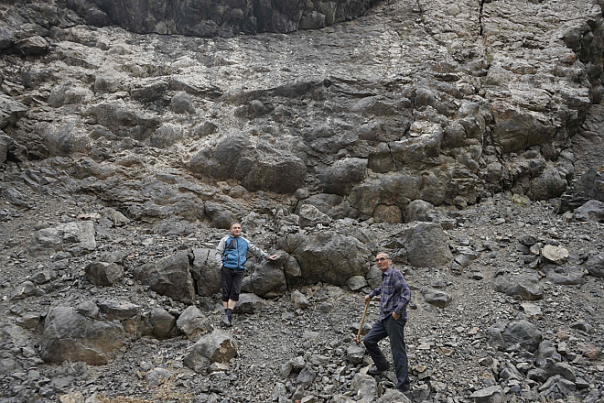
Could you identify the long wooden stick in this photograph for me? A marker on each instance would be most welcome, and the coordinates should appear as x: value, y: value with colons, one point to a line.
x: 358, y: 339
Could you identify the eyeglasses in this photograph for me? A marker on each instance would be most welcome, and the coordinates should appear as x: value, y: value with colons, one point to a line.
x: 381, y: 259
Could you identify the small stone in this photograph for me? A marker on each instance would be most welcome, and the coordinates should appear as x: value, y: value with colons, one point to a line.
x: 554, y: 254
x: 158, y: 376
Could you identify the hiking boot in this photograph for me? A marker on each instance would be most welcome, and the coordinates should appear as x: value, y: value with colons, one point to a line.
x: 226, y: 320
x: 377, y: 371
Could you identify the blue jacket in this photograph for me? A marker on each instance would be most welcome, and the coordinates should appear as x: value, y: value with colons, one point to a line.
x: 231, y: 252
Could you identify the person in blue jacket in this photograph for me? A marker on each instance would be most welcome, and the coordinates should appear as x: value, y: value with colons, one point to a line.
x: 231, y: 253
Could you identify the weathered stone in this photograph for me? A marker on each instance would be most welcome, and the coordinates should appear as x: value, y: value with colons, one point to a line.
x: 331, y: 257
x: 104, y: 274
x: 365, y: 387
x: 10, y: 111
x: 181, y: 103
x: 419, y: 210
x: 355, y: 283
x: 523, y: 333
x: 595, y: 265
x: 306, y: 377
x: 492, y: 394
x: 310, y: 216
x: 34, y: 45
x: 524, y: 286
x: 343, y: 175
x: 126, y: 312
x: 162, y: 322
x: 158, y: 376
x: 217, y: 346
x: 299, y: 300
x: 593, y: 210
x: 249, y: 303
x: 69, y: 336
x: 76, y: 237
x: 355, y: 353
x: 554, y: 254
x: 193, y: 323
x: 264, y: 280
x: 206, y: 272
x: 29, y: 320
x: 166, y: 135
x: 437, y: 298
x: 170, y: 277
x: 423, y: 237
x: 24, y: 290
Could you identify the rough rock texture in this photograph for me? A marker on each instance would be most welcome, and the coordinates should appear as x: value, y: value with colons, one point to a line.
x: 69, y: 335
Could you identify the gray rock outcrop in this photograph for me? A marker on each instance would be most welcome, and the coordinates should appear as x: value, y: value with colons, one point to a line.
x: 426, y: 237
x: 331, y: 257
x: 70, y: 336
x: 169, y: 276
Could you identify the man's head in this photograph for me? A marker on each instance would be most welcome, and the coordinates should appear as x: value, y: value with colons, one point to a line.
x: 383, y: 261
x: 236, y: 229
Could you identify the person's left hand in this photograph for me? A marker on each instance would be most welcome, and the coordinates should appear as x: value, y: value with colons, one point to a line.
x: 395, y: 315
x: 273, y: 257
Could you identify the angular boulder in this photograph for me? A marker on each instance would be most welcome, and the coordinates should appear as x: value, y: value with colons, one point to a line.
x: 522, y: 285
x: 170, y: 277
x: 264, y: 280
x: 193, y: 323
x: 104, y: 274
x: 427, y: 237
x: 331, y: 257
x: 70, y: 336
x: 217, y: 346
x: 206, y: 272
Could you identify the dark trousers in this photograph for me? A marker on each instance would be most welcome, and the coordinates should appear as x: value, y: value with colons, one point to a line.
x: 231, y: 283
x: 395, y: 331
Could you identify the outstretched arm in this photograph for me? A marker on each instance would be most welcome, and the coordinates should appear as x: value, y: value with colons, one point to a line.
x: 259, y: 252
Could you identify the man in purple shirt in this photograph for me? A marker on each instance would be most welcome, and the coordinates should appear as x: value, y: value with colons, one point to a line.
x: 395, y: 295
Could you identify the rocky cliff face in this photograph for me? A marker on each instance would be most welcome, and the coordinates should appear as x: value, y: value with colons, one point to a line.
x: 208, y: 18
x: 441, y: 102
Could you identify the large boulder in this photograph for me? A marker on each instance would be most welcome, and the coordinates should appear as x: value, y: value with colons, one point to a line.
x: 426, y: 237
x: 548, y: 185
x: 71, y: 336
x: 206, y: 272
x: 593, y: 210
x: 517, y: 129
x: 331, y: 257
x: 260, y: 168
x: 170, y: 277
x: 392, y: 189
x: 512, y: 336
x: 340, y: 177
x: 591, y: 184
x: 249, y: 303
x: 127, y: 313
x: 76, y: 237
x: 265, y: 280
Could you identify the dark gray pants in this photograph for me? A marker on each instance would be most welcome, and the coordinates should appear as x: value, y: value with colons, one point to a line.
x: 231, y: 283
x: 395, y: 331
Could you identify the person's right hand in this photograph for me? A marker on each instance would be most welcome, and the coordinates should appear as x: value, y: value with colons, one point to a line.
x: 367, y: 299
